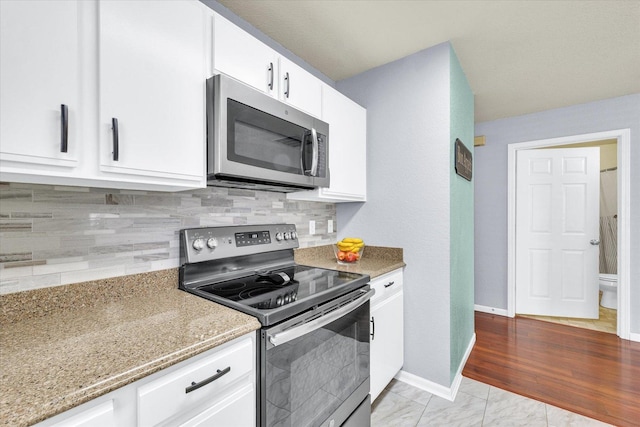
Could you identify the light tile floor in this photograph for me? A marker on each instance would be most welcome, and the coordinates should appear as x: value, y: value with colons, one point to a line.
x: 476, y: 404
x: 606, y: 323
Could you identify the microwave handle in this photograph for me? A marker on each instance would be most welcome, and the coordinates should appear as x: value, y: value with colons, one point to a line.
x: 316, y: 151
x: 314, y: 160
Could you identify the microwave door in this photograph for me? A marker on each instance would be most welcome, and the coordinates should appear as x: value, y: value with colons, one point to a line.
x: 263, y: 147
x: 253, y: 138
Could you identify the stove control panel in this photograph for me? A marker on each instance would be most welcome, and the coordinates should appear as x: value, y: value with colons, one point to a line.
x: 213, y: 243
x: 253, y: 238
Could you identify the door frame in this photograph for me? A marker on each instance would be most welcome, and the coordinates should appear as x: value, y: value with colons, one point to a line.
x: 624, y: 242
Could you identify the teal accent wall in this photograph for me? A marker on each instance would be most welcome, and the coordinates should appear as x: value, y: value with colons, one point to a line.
x: 461, y: 212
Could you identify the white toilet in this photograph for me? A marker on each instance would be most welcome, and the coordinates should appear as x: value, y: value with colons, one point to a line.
x: 609, y: 288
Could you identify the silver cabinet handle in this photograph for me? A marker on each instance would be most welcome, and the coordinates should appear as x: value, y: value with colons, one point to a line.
x: 595, y: 242
x: 298, y: 331
x: 288, y: 82
x: 389, y: 284
x: 270, y: 75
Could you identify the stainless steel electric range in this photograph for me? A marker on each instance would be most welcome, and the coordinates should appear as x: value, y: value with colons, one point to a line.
x: 313, y: 347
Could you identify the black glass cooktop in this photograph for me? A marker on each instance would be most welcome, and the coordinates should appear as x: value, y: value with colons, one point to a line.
x: 275, y: 295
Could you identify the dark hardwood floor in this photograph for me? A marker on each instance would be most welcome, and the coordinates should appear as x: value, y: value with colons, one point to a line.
x: 592, y: 373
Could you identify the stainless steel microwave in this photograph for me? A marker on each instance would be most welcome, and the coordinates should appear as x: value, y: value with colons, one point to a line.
x: 255, y: 141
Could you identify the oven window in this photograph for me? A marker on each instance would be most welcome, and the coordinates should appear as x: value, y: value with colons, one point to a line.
x: 260, y: 139
x: 308, y: 378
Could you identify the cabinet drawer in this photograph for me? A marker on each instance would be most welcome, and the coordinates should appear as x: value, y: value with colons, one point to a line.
x: 169, y: 395
x: 386, y: 285
x: 97, y: 416
x: 235, y: 410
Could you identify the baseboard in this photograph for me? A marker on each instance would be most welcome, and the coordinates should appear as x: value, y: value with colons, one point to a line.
x: 491, y: 310
x: 634, y: 337
x: 439, y: 390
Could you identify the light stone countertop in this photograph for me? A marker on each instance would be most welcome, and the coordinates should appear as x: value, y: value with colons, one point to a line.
x: 63, y: 346
x: 376, y: 260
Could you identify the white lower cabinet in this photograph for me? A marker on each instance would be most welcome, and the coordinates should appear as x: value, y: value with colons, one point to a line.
x: 387, y: 330
x: 100, y: 415
x: 217, y: 387
x: 172, y: 395
x: 231, y: 411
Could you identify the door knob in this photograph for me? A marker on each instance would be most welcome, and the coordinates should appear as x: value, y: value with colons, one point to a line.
x: 595, y: 242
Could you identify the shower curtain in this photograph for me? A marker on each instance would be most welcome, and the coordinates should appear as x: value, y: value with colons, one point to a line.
x: 608, y: 221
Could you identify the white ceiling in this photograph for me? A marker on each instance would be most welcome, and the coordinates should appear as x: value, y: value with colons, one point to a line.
x: 520, y: 56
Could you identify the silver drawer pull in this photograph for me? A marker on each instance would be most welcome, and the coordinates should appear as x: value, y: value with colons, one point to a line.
x: 389, y: 284
x: 219, y: 373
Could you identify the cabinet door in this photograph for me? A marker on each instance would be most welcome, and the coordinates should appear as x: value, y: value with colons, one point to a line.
x: 152, y: 80
x: 347, y: 146
x: 238, y: 54
x: 300, y: 88
x: 387, y: 354
x: 347, y: 151
x: 39, y: 70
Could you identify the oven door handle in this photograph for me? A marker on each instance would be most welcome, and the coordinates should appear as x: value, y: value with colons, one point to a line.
x: 293, y: 333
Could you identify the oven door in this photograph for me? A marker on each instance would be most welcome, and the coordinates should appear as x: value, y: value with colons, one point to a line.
x: 314, y: 369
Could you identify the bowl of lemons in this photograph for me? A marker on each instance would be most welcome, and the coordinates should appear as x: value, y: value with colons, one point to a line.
x: 349, y: 250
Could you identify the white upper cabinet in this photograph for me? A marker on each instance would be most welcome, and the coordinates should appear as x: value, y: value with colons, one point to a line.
x: 300, y: 88
x: 347, y: 151
x: 240, y: 55
x: 39, y: 69
x: 152, y: 81
x: 76, y: 65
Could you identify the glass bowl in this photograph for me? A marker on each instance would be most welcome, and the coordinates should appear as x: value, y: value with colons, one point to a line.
x: 348, y: 257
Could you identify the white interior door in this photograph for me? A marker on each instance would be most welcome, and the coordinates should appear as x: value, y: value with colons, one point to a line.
x: 557, y: 208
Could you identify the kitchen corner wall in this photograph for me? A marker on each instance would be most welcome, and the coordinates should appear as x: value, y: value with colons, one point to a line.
x: 409, y: 148
x: 53, y: 236
x: 461, y: 228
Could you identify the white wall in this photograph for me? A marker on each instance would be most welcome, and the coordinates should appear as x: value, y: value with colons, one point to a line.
x: 408, y: 175
x: 490, y: 165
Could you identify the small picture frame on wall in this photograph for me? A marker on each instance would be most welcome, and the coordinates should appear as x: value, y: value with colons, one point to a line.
x: 463, y: 160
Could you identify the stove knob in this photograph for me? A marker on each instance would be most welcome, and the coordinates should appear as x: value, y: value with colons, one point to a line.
x: 287, y: 298
x: 287, y: 235
x: 294, y: 235
x: 294, y: 296
x: 279, y: 236
x: 212, y: 243
x: 279, y: 301
x: 198, y: 244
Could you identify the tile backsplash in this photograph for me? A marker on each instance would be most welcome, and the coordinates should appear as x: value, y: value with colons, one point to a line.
x: 55, y: 235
